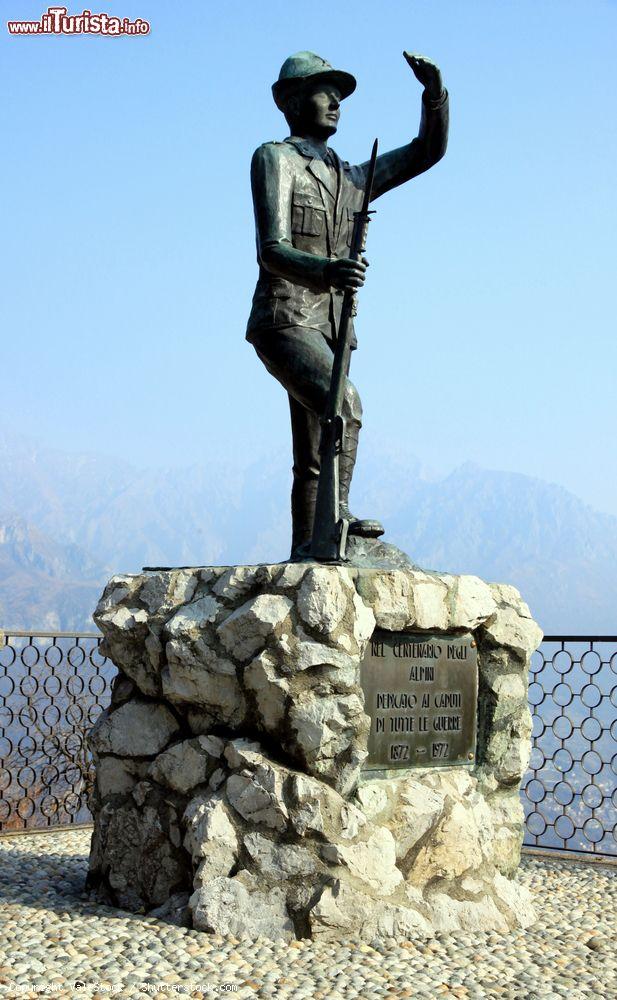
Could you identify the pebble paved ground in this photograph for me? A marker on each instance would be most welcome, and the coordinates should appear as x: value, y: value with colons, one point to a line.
x: 51, y: 936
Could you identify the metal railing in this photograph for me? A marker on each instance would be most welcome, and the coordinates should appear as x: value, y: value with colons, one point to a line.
x: 54, y: 685
x: 570, y: 790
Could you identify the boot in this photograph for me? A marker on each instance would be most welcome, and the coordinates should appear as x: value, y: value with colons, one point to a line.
x: 367, y: 527
x: 303, y: 497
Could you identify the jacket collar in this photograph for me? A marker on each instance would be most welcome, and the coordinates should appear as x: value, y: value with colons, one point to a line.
x: 316, y: 166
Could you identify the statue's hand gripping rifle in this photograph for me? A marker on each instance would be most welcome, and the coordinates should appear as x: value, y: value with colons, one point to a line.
x: 329, y: 539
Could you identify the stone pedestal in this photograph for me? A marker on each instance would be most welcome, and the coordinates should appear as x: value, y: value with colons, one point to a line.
x: 230, y: 790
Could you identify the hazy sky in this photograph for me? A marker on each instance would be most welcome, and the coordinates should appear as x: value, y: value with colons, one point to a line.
x: 487, y: 323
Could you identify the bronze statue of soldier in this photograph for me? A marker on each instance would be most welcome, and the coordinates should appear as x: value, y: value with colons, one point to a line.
x: 305, y: 198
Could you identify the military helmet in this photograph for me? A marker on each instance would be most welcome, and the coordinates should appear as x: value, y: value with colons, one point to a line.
x: 305, y: 66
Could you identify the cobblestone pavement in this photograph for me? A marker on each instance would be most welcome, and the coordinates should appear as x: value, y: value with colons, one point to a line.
x: 51, y: 936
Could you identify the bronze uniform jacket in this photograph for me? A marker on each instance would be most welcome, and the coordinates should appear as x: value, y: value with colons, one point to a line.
x: 303, y: 218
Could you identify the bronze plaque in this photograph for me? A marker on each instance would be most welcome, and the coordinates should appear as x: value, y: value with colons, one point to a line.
x: 421, y: 692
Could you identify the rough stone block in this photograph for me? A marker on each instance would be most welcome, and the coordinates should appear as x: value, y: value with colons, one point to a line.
x: 230, y: 791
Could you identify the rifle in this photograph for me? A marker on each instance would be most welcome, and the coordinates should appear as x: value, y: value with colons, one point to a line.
x: 329, y: 540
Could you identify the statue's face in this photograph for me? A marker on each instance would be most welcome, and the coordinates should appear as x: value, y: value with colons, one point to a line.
x: 319, y: 109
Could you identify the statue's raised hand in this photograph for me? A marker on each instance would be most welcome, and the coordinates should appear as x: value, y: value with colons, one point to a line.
x: 427, y: 73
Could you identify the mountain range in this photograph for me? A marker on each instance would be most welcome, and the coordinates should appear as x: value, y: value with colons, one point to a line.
x: 68, y: 522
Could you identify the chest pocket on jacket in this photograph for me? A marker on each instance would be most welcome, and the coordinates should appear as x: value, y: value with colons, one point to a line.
x: 350, y: 222
x: 307, y: 215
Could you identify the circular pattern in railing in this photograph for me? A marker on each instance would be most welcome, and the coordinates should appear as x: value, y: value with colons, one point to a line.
x: 591, y: 729
x: 52, y: 685
x: 570, y: 792
x: 593, y: 830
x: 28, y: 686
x: 6, y: 716
x: 562, y: 662
x: 96, y: 657
x: 30, y: 655
x: 592, y: 796
x: 7, y: 685
x: 537, y: 726
x: 562, y: 727
x: 93, y: 713
x: 536, y: 824
x: 564, y: 827
x: 563, y: 793
x: 73, y: 774
x: 28, y: 716
x: 26, y: 776
x: 75, y: 686
x: 53, y: 656
x: 74, y: 744
x: 52, y: 690
x: 563, y: 760
x: 8, y: 655
x: 535, y: 791
x: 96, y: 685
x: 49, y: 806
x: 72, y: 803
x: 592, y: 762
x: 76, y: 656
x: 591, y: 662
x: 50, y: 775
x: 51, y: 746
x: 26, y: 746
x: 51, y: 715
x: 74, y: 714
x: 26, y: 808
x: 591, y: 696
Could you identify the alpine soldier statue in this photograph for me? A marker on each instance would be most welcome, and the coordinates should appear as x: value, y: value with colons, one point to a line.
x: 305, y: 200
